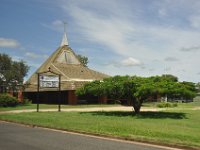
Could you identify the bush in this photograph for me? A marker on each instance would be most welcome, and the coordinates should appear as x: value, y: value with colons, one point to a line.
x: 164, y: 105
x: 174, y: 104
x: 8, y: 101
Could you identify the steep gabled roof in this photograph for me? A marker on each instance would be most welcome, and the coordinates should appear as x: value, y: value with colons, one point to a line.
x: 73, y: 74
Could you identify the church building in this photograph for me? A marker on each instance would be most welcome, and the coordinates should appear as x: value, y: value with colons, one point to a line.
x: 73, y: 74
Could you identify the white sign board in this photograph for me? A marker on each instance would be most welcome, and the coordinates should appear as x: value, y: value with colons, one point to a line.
x: 49, y: 81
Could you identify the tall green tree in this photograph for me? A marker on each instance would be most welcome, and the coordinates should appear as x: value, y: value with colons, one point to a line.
x: 12, y: 72
x: 198, y: 87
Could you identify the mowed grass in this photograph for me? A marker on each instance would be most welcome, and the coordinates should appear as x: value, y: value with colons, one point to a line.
x: 179, y: 127
x: 55, y: 106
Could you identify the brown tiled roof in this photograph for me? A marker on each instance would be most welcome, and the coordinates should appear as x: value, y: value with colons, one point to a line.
x: 72, y: 75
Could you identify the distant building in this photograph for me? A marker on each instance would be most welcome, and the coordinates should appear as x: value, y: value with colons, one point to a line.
x: 73, y: 75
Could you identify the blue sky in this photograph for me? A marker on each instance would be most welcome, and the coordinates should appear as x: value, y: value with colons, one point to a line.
x: 120, y: 37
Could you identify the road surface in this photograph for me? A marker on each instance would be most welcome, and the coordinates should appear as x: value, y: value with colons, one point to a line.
x: 19, y: 137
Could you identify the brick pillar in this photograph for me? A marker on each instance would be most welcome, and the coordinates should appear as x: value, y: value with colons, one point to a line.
x: 72, y: 98
x: 20, y: 96
x: 103, y: 100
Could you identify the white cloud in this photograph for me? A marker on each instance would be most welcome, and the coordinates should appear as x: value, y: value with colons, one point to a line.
x: 195, y: 21
x: 9, y: 43
x: 171, y: 59
x: 17, y: 58
x: 151, y: 69
x: 126, y: 30
x: 130, y: 62
x: 162, y: 12
x: 190, y: 49
x: 55, y: 25
x: 35, y: 56
x: 35, y: 65
x: 32, y: 55
x: 167, y: 69
x: 125, y: 63
x: 126, y: 37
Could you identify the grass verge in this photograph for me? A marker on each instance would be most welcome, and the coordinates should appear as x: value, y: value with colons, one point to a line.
x: 166, y: 127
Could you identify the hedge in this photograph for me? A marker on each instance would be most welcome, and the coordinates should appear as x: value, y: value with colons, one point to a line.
x: 8, y: 101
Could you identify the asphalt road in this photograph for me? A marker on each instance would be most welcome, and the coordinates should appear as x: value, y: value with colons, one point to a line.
x: 19, y: 137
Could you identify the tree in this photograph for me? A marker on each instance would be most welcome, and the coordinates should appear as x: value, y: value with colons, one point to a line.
x: 131, y: 86
x: 5, y: 67
x: 137, y: 89
x: 198, y: 86
x: 83, y: 60
x: 20, y: 70
x: 169, y: 77
x: 114, y: 87
x: 12, y: 72
x: 93, y: 88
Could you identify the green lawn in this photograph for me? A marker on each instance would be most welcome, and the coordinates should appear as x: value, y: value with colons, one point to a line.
x: 196, y: 103
x: 179, y: 125
x: 169, y: 127
x: 49, y: 106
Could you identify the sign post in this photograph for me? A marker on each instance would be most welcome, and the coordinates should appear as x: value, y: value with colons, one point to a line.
x: 59, y: 93
x: 38, y: 92
x: 49, y: 79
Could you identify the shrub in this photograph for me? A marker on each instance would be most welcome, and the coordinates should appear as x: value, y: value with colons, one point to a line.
x: 174, y: 104
x: 7, y: 101
x: 164, y: 105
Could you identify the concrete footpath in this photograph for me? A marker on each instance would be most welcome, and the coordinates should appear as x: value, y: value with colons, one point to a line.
x: 91, y: 109
x: 115, y: 108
